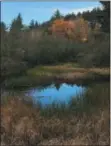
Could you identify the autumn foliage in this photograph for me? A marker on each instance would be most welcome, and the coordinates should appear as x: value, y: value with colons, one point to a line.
x: 74, y: 29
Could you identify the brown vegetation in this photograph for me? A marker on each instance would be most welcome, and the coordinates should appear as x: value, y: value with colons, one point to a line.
x: 22, y: 124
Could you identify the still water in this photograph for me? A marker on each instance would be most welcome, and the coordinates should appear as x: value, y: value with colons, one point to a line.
x: 53, y: 93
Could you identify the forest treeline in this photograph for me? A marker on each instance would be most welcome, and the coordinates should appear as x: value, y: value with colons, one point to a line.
x: 24, y: 46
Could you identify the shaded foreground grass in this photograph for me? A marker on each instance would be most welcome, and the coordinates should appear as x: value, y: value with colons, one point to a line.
x: 87, y: 124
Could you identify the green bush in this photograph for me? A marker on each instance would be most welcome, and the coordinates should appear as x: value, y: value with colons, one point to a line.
x: 97, y: 55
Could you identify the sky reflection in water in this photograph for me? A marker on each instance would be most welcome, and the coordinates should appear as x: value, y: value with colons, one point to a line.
x: 55, y: 94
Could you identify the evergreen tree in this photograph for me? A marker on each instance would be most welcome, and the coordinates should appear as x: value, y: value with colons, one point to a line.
x: 36, y: 24
x: 4, y: 44
x: 32, y: 24
x: 2, y: 27
x: 15, y: 37
x: 79, y: 14
x: 105, y: 16
x: 70, y: 16
x: 17, y: 24
x: 57, y: 15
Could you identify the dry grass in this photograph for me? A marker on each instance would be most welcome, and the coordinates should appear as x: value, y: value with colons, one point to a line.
x: 68, y: 70
x: 22, y: 124
x: 100, y: 70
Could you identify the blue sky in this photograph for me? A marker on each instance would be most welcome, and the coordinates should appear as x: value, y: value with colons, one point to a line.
x: 41, y: 11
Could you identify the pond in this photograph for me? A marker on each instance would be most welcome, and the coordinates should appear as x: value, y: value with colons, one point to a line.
x: 96, y: 94
x: 55, y: 93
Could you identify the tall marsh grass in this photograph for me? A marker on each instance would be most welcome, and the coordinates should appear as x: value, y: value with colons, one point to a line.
x: 84, y: 121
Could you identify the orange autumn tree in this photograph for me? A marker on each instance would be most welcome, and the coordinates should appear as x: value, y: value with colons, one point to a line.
x: 76, y: 29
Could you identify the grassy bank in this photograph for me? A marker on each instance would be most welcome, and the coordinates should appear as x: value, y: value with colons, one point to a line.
x: 85, y: 121
x: 68, y: 72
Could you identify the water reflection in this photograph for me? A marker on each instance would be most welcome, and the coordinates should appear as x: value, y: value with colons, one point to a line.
x: 55, y: 93
x: 57, y: 85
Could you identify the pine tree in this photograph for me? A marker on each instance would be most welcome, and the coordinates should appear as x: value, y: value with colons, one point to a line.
x: 105, y: 16
x: 17, y: 24
x: 4, y: 37
x: 32, y: 24
x: 2, y: 27
x: 70, y: 16
x: 79, y: 14
x: 15, y: 36
x: 57, y: 15
x: 36, y: 24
